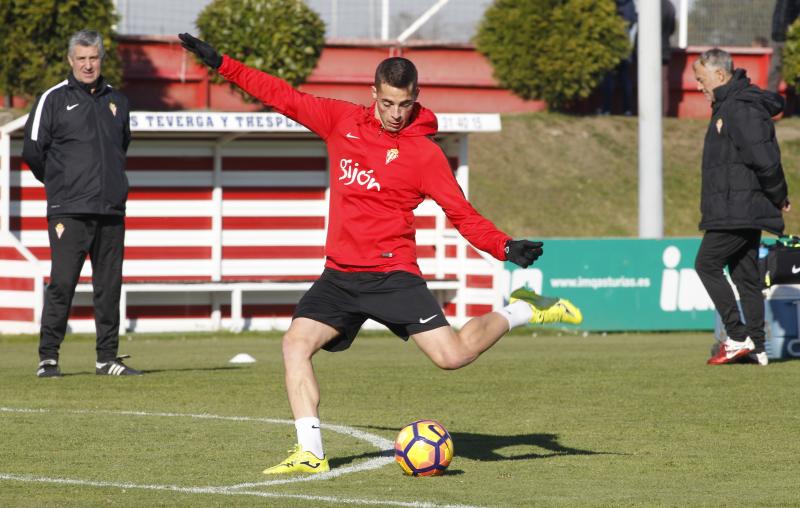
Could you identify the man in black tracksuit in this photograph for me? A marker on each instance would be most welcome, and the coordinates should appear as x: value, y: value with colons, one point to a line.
x: 743, y: 192
x: 76, y: 140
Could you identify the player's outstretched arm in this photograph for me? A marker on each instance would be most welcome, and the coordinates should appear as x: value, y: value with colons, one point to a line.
x: 202, y: 49
x: 316, y: 113
x: 523, y: 252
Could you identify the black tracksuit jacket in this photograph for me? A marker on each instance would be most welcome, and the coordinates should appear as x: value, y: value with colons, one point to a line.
x: 75, y: 142
x: 743, y: 185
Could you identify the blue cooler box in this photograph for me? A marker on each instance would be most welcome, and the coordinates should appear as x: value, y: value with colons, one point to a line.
x: 781, y: 307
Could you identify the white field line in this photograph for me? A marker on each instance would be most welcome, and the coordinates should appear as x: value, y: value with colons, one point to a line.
x: 225, y: 492
x: 382, y: 444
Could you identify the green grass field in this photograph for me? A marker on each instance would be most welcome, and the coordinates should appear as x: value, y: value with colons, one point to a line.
x: 546, y: 420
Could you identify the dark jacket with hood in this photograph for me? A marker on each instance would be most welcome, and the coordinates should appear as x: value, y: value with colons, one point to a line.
x: 786, y: 11
x: 76, y: 144
x: 743, y: 182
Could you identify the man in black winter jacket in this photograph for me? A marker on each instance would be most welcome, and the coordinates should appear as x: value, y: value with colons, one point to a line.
x: 743, y: 192
x: 76, y: 140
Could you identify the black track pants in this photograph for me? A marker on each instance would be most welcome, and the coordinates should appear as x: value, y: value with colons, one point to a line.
x: 738, y: 250
x: 71, y: 239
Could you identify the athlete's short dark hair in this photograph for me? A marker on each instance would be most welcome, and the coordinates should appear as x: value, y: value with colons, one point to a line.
x: 398, y: 72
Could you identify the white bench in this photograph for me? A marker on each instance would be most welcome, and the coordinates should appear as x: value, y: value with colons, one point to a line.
x: 444, y: 290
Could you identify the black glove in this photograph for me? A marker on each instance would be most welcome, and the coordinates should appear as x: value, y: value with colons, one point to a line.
x: 523, y: 252
x: 205, y: 51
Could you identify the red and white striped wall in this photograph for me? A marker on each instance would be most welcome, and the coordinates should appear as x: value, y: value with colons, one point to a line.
x: 229, y: 198
x: 21, y: 287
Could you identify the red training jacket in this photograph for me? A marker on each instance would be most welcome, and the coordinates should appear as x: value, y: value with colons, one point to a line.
x: 377, y: 178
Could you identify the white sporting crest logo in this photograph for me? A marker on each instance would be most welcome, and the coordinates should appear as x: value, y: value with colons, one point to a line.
x: 113, y: 108
x: 392, y: 154
x: 719, y: 125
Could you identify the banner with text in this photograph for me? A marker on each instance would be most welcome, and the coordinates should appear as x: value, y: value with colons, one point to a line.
x: 623, y: 284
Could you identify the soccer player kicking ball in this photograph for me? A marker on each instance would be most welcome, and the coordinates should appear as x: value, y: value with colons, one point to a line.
x: 383, y: 165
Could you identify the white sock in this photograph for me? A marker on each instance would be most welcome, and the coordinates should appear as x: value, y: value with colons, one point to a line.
x: 309, y: 436
x: 517, y: 313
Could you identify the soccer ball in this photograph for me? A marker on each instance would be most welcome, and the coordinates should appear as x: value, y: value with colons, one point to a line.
x: 423, y: 448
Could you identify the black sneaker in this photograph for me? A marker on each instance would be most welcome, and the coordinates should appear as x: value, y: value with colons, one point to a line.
x: 115, y: 368
x: 48, y: 368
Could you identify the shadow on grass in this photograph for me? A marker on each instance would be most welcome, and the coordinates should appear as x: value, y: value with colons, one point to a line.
x: 343, y: 461
x: 155, y: 371
x: 780, y: 360
x: 191, y: 369
x: 490, y: 447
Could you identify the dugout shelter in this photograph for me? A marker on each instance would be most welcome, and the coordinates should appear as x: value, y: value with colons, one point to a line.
x: 226, y: 224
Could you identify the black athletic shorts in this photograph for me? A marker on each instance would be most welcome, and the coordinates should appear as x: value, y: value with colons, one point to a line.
x: 344, y: 300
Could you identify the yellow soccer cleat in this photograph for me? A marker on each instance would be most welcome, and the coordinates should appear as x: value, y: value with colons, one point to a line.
x: 546, y: 309
x: 300, y: 461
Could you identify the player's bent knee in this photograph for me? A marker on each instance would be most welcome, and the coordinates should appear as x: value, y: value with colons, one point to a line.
x: 302, y: 342
x: 451, y: 361
x: 446, y: 349
x: 295, y: 345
